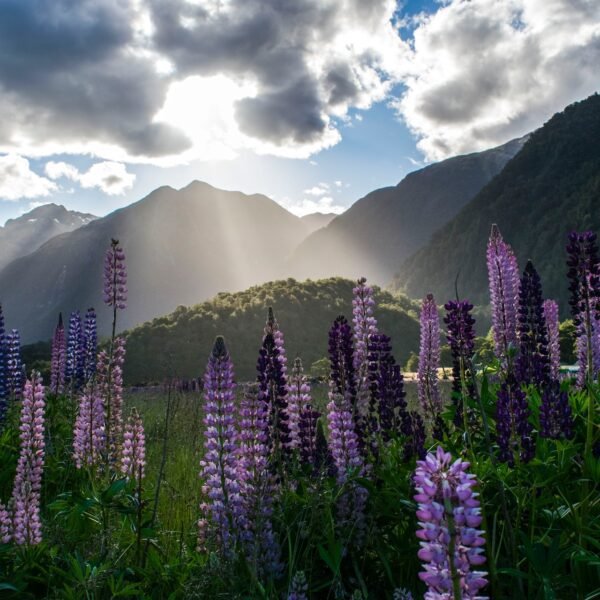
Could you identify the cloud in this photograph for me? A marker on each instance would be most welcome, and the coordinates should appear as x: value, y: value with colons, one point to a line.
x: 18, y: 181
x: 110, y: 177
x: 318, y: 190
x: 485, y: 71
x: 307, y: 206
x: 101, y: 77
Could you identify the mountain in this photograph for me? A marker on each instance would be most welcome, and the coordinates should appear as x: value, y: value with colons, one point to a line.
x: 378, y: 232
x: 28, y: 232
x: 317, y: 220
x: 182, y: 246
x: 548, y: 189
x: 179, y: 344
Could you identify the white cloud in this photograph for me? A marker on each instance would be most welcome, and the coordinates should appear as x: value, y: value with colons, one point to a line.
x: 110, y: 177
x: 485, y: 71
x: 307, y: 206
x: 318, y: 190
x: 338, y: 183
x: 17, y: 180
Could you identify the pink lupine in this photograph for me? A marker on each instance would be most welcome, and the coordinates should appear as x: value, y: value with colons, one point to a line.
x: 551, y: 317
x: 27, y: 527
x: 115, y: 277
x: 89, y: 433
x: 59, y: 358
x: 133, y: 461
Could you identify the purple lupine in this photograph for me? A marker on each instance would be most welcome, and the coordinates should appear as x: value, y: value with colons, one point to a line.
x: 388, y: 415
x: 415, y: 445
x: 348, y: 461
x: 533, y: 360
x: 74, y: 362
x: 221, y: 487
x: 27, y: 527
x: 364, y: 326
x: 14, y: 366
x: 110, y: 386
x: 429, y: 361
x: 298, y: 399
x: 342, y: 374
x: 402, y: 594
x: 133, y: 459
x: 556, y: 418
x: 115, y: 277
x: 584, y: 286
x: 5, y: 525
x: 89, y: 432
x: 256, y: 486
x: 4, y: 391
x: 503, y: 275
x: 449, y: 513
x: 552, y: 332
x: 273, y: 391
x: 298, y: 587
x: 59, y: 358
x: 514, y: 432
x: 461, y: 339
x: 90, y: 344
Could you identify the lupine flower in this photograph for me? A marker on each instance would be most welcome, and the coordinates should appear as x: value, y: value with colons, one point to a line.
x: 110, y: 386
x: 75, y: 357
x: 514, y: 433
x: 429, y: 361
x: 256, y: 486
x: 5, y: 525
x: 221, y: 488
x: 89, y: 432
x: 461, y: 339
x: 364, y: 325
x: 90, y: 344
x: 115, y: 277
x: 14, y: 366
x: 4, y: 392
x: 342, y: 374
x: 387, y: 410
x: 584, y: 285
x: 27, y: 527
x: 133, y: 460
x: 552, y: 332
x: 402, y: 594
x: 273, y: 391
x: 503, y: 274
x: 299, y: 587
x: 415, y: 445
x: 556, y: 419
x: 298, y: 399
x: 59, y: 357
x: 449, y: 519
x: 533, y: 361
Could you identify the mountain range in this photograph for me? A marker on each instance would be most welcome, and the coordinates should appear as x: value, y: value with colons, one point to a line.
x: 552, y: 186
x: 28, y: 232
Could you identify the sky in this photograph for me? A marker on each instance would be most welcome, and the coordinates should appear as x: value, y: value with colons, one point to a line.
x: 311, y: 102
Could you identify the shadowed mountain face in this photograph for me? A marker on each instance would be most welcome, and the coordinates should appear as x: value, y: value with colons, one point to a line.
x: 181, y: 247
x: 27, y: 233
x: 377, y: 233
x: 550, y: 188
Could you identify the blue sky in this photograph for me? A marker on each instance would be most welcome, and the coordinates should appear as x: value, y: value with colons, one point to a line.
x: 312, y: 103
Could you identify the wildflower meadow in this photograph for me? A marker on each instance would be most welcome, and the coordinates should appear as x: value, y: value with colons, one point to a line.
x: 286, y: 487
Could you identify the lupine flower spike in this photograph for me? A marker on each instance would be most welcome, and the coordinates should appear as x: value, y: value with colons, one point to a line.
x: 364, y: 325
x: 27, y: 527
x: 299, y: 587
x: 58, y: 360
x: 89, y: 433
x: 552, y: 332
x: 90, y: 344
x: 4, y: 392
x: 221, y: 488
x: 133, y: 461
x: 449, y: 519
x: 115, y: 277
x: 75, y: 358
x: 429, y: 362
x: 461, y: 339
x: 14, y: 366
x: 503, y: 274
